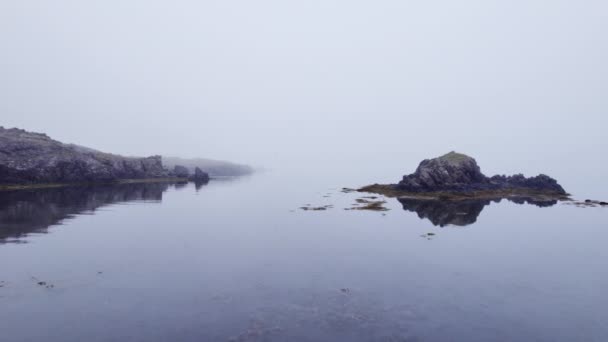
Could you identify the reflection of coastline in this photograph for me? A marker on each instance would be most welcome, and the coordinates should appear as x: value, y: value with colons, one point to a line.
x: 33, y: 211
x: 461, y: 212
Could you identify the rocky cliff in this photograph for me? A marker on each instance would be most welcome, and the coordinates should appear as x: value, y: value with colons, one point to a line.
x: 27, y: 157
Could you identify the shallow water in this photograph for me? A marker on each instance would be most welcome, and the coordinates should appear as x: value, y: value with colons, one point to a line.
x: 237, y: 260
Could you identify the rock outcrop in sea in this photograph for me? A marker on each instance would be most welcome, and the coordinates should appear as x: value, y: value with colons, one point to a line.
x: 457, y: 174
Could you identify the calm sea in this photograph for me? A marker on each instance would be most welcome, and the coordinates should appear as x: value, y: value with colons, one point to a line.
x: 237, y: 260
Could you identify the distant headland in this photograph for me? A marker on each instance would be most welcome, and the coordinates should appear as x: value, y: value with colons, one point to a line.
x: 457, y: 176
x: 29, y: 159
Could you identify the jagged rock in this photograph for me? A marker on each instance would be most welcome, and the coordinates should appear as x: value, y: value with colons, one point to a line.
x: 458, y: 174
x: 181, y: 171
x: 540, y: 182
x: 27, y: 157
x: 453, y: 171
x: 200, y: 176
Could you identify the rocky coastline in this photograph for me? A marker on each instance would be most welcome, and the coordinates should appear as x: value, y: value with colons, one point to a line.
x: 455, y: 176
x: 34, y: 160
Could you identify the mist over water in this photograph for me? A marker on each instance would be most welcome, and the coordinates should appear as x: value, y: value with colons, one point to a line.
x: 334, y: 86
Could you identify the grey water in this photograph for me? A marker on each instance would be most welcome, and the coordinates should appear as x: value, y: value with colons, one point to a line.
x: 237, y: 260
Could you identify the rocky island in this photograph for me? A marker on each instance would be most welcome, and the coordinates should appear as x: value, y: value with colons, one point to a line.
x: 456, y: 176
x: 34, y: 159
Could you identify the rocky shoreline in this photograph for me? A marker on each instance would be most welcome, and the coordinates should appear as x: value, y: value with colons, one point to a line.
x: 456, y: 176
x: 34, y: 160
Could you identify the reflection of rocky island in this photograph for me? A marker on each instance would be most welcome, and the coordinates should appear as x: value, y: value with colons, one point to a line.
x: 460, y: 212
x: 456, y: 176
x: 452, y: 190
x: 33, y: 211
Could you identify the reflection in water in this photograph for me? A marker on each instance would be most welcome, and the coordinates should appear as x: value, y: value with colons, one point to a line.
x: 33, y: 211
x: 181, y: 185
x: 461, y: 212
x: 198, y: 185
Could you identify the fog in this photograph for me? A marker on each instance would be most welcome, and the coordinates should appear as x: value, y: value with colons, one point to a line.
x: 319, y: 86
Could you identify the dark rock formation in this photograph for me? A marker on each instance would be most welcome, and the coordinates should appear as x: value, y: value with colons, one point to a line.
x: 455, y: 172
x: 462, y: 212
x: 27, y: 158
x: 452, y: 171
x: 181, y: 171
x: 199, y: 176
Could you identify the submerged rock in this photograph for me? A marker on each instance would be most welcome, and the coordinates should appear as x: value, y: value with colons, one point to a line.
x: 456, y: 174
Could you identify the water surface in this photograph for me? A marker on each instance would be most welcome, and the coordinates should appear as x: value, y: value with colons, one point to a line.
x: 238, y: 261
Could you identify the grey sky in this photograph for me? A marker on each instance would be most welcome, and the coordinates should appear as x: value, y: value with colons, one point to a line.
x: 279, y: 82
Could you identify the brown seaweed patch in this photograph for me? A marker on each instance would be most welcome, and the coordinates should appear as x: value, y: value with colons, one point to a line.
x: 321, y: 208
x: 365, y: 204
x: 390, y: 190
x: 348, y: 190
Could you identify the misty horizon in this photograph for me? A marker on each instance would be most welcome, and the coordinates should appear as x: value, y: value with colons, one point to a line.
x: 272, y: 84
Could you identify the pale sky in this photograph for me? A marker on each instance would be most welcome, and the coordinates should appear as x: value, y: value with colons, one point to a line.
x: 517, y: 84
